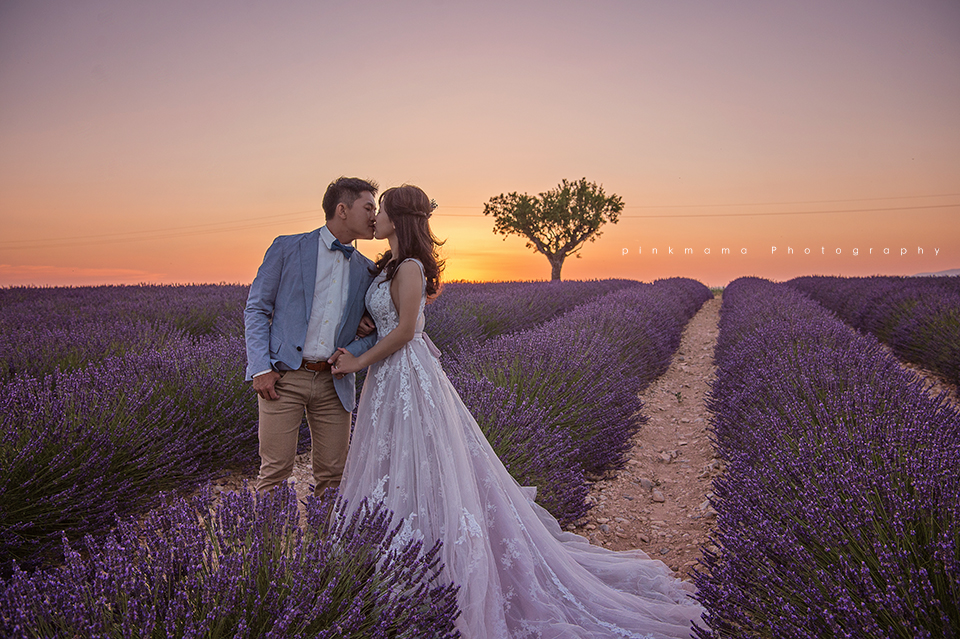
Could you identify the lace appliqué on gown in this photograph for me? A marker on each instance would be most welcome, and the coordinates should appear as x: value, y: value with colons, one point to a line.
x: 417, y: 448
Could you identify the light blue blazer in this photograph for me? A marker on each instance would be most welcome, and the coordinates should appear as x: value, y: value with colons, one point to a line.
x: 279, y: 304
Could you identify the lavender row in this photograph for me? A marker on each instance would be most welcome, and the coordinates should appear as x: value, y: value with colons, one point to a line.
x: 43, y: 330
x: 197, y: 309
x: 469, y: 312
x: 80, y: 447
x: 560, y: 401
x: 47, y: 329
x: 839, y: 511
x: 918, y: 317
x: 243, y: 568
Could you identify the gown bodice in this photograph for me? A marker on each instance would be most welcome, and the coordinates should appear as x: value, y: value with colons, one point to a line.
x: 380, y: 304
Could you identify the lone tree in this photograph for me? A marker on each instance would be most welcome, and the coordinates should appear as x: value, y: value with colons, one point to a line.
x: 556, y: 223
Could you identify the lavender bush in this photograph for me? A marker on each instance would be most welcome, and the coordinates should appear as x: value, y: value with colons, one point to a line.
x: 80, y: 447
x: 469, y: 312
x: 243, y: 568
x: 529, y: 444
x: 47, y: 329
x: 838, y: 510
x: 918, y: 317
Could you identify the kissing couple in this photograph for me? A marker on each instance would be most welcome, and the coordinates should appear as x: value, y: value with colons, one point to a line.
x: 415, y: 447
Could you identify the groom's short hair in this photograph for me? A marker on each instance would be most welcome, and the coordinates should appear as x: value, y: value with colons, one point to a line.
x: 345, y: 190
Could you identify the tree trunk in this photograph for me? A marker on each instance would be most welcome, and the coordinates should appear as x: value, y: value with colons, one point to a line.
x: 556, y: 263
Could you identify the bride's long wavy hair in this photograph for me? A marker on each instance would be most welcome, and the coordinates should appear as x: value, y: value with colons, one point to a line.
x: 409, y: 208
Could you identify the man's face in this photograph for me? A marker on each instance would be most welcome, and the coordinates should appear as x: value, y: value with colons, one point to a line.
x: 360, y: 218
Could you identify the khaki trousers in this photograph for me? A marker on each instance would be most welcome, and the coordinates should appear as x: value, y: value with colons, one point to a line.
x: 311, y: 392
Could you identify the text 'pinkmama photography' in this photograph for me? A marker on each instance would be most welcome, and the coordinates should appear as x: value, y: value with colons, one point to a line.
x: 788, y: 250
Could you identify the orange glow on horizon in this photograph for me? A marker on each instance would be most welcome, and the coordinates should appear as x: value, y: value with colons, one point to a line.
x: 714, y: 249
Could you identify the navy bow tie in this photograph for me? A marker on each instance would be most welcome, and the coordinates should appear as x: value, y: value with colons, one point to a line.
x: 346, y: 250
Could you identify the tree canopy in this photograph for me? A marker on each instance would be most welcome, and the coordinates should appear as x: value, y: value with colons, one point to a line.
x: 558, y: 222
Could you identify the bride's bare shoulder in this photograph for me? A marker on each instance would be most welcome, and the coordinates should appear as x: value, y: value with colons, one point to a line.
x: 410, y: 271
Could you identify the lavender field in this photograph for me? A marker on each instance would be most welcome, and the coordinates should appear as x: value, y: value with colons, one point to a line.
x: 839, y: 510
x: 115, y: 394
x: 111, y: 395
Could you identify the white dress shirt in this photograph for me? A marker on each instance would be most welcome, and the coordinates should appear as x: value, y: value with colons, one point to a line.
x: 329, y: 297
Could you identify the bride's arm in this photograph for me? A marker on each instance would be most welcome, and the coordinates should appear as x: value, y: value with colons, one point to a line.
x: 406, y: 288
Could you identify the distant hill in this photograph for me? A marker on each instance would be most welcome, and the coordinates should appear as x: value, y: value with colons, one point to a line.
x: 951, y: 272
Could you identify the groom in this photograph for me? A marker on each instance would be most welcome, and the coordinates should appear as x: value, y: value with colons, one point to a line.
x: 306, y: 301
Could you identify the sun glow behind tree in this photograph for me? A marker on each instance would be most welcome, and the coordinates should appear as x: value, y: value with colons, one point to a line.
x: 558, y: 222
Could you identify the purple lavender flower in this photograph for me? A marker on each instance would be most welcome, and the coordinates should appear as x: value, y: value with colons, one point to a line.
x: 243, y: 567
x: 80, y: 447
x: 45, y: 329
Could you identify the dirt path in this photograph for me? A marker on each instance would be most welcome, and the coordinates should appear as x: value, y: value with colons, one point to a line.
x: 658, y: 503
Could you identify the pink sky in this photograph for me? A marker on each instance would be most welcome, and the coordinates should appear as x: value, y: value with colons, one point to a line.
x: 170, y: 142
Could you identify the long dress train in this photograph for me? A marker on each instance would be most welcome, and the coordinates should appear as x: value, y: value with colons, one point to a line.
x: 418, y: 449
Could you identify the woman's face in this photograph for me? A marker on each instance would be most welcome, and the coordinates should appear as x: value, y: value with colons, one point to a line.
x: 384, y: 227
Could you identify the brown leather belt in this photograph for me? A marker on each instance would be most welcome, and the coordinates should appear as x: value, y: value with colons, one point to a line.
x: 315, y: 366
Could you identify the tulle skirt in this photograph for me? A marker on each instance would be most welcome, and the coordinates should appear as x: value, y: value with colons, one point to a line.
x: 417, y: 449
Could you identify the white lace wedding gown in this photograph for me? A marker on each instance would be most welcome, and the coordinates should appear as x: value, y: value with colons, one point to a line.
x: 416, y: 447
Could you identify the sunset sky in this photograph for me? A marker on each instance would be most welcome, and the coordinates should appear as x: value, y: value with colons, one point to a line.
x: 172, y: 141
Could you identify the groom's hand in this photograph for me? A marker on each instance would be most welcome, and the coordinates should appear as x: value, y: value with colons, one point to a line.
x: 366, y: 326
x: 263, y: 384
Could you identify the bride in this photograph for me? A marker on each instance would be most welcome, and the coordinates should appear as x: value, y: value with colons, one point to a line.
x: 416, y: 448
